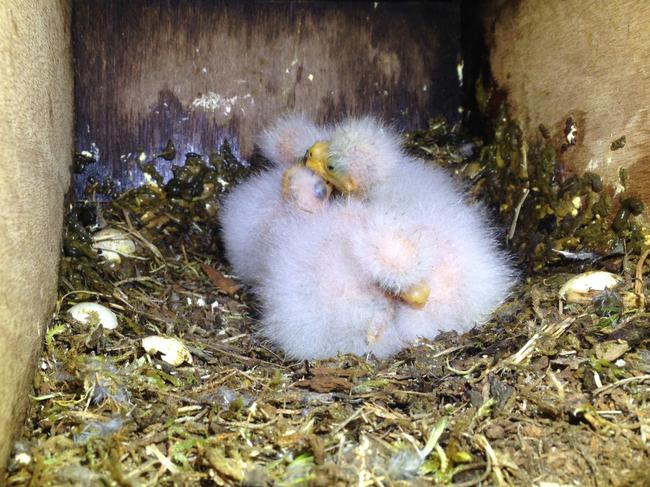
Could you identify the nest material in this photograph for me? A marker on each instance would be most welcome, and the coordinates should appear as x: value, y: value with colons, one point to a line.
x: 541, y: 393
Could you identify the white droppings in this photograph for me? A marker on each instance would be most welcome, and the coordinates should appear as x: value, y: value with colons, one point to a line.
x: 212, y: 101
x: 95, y: 150
x: 149, y: 181
x: 310, y: 77
x: 571, y: 134
x: 618, y: 188
x: 576, y: 202
x: 23, y: 458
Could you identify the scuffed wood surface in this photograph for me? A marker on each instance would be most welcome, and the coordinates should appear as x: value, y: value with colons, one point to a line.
x: 36, y: 121
x: 586, y: 59
x: 200, y: 71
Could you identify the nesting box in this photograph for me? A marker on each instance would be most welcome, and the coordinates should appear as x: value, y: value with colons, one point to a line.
x: 195, y: 72
x: 119, y: 79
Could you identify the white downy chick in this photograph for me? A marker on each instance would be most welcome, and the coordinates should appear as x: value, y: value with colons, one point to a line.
x: 252, y: 208
x: 469, y: 275
x: 335, y: 278
x: 286, y: 142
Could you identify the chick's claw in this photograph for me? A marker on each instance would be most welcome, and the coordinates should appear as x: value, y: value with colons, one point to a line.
x: 417, y: 296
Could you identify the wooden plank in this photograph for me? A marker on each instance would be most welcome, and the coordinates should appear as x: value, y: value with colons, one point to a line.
x: 199, y: 71
x: 589, y: 60
x: 36, y: 121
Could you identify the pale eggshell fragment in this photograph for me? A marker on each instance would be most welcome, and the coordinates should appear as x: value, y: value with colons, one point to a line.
x: 583, y: 287
x: 23, y: 458
x: 112, y: 244
x: 172, y: 350
x: 84, y: 313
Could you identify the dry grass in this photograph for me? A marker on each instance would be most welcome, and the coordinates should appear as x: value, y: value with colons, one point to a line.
x: 540, y: 395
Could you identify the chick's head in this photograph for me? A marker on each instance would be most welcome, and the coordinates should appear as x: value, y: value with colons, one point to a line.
x: 305, y: 189
x: 359, y: 155
x: 389, y: 249
x: 330, y: 167
x: 286, y: 141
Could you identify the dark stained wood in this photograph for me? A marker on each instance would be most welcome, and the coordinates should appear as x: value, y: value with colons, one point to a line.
x: 583, y: 59
x: 201, y: 71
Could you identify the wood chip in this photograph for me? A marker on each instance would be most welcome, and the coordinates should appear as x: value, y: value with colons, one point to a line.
x: 325, y: 383
x: 220, y: 281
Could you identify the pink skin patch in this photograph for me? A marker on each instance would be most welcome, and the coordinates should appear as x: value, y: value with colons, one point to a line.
x: 444, y: 281
x: 286, y: 145
x: 395, y: 254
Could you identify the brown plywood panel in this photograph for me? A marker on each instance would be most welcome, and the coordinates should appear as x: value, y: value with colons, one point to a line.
x: 586, y: 59
x: 36, y: 121
x: 199, y: 71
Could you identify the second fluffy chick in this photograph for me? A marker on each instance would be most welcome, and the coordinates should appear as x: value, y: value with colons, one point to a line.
x: 335, y: 279
x: 469, y: 275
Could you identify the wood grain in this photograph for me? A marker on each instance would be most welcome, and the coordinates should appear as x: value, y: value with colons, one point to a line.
x: 36, y: 121
x: 201, y: 71
x: 585, y: 59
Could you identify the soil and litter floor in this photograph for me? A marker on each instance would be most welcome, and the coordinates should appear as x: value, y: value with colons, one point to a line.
x: 546, y: 393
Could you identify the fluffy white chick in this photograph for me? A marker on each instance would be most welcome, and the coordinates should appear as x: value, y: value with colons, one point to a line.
x: 335, y: 278
x: 252, y: 208
x: 286, y: 142
x: 469, y: 275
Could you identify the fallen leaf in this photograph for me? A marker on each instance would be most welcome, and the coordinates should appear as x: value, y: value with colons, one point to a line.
x: 611, y: 350
x: 221, y: 282
x: 325, y: 383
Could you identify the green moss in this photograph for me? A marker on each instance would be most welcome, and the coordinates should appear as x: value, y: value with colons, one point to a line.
x: 549, y: 211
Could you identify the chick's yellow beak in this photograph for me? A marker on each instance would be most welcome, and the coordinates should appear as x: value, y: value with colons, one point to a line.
x: 316, y: 159
x: 417, y: 295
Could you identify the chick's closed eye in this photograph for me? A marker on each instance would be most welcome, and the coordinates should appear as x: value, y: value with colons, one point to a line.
x: 321, y: 191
